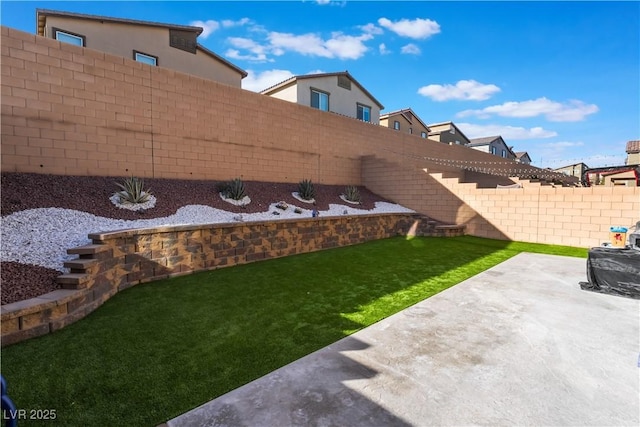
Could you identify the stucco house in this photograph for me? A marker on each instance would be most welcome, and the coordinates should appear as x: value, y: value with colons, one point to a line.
x: 405, y: 121
x: 626, y: 177
x: 610, y: 176
x: 447, y: 133
x: 576, y: 169
x: 493, y: 145
x: 633, y: 153
x: 523, y: 157
x: 165, y: 45
x: 336, y: 92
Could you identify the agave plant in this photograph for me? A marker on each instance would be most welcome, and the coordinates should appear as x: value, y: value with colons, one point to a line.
x: 352, y: 194
x: 306, y: 190
x: 235, y: 189
x: 132, y: 191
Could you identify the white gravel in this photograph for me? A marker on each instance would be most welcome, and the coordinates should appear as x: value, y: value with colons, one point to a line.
x: 42, y: 236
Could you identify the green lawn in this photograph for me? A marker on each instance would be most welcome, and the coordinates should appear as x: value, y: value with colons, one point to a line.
x: 157, y: 350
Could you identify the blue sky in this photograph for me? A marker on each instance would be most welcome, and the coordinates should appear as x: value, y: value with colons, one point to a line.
x: 560, y: 80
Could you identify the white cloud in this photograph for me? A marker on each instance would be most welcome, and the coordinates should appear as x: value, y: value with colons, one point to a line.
x: 331, y: 2
x: 305, y: 44
x: 467, y: 90
x: 383, y: 49
x: 415, y: 29
x: 347, y: 47
x: 339, y: 45
x: 371, y: 29
x: 410, y: 49
x: 258, y: 51
x: 259, y: 81
x: 572, y: 111
x: 227, y: 23
x: 208, y: 27
x: 507, y: 132
x: 235, y: 54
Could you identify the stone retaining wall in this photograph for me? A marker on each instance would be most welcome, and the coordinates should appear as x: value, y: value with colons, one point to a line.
x: 121, y: 259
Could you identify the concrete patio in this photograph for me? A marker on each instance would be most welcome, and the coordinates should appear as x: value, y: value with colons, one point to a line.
x: 519, y: 344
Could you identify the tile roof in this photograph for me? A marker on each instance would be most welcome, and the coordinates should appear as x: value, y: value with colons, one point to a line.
x: 633, y: 147
x: 41, y: 15
x: 483, y: 141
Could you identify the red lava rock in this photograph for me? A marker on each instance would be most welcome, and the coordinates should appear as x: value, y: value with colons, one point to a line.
x: 22, y: 191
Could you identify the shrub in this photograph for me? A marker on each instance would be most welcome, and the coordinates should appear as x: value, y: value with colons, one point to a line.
x: 352, y: 194
x: 234, y: 189
x: 221, y: 187
x: 132, y: 191
x: 306, y: 190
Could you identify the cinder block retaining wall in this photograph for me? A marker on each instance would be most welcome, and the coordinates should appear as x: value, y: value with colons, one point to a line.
x: 121, y: 259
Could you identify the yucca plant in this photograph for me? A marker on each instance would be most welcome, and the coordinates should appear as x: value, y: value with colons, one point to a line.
x: 132, y: 191
x: 306, y: 190
x: 352, y: 194
x: 235, y: 189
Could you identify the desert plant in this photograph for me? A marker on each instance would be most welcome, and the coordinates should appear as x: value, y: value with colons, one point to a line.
x: 352, y: 194
x: 306, y: 191
x: 221, y: 187
x: 132, y: 191
x: 235, y: 189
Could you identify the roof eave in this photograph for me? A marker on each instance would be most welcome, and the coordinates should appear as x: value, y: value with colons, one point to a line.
x: 41, y: 15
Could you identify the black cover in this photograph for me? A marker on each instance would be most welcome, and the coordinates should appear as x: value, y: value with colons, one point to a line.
x: 613, y: 271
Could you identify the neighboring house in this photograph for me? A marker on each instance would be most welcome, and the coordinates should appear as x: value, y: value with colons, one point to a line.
x: 493, y: 145
x: 523, y: 157
x: 405, y: 121
x: 628, y: 175
x: 447, y: 133
x: 633, y: 153
x: 336, y: 92
x: 165, y: 45
x: 576, y: 169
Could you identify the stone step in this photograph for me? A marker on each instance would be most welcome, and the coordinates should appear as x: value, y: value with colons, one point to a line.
x: 82, y: 264
x: 91, y: 251
x: 88, y: 249
x: 73, y: 280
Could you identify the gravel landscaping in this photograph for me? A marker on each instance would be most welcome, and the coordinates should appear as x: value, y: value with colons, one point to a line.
x: 44, y: 215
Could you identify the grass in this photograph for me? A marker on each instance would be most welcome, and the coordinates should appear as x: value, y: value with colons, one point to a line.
x: 157, y: 350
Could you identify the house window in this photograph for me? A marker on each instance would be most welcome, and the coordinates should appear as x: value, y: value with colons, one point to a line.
x: 411, y: 130
x: 504, y: 153
x: 493, y: 150
x: 68, y: 37
x: 319, y: 100
x: 364, y: 113
x: 344, y: 82
x: 145, y: 58
x: 457, y: 142
x: 423, y: 134
x: 396, y: 125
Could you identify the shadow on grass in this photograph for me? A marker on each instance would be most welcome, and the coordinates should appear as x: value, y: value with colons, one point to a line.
x: 160, y: 349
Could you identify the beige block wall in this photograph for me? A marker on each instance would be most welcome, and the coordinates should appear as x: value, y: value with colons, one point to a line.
x: 76, y: 111
x: 73, y: 110
x: 574, y: 216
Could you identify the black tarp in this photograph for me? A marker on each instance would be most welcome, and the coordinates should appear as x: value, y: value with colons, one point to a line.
x: 614, y: 271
